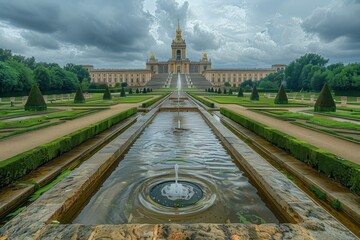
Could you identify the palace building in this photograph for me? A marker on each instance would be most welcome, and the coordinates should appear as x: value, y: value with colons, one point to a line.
x: 178, y: 63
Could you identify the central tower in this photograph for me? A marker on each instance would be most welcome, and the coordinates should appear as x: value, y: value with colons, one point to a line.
x: 178, y: 45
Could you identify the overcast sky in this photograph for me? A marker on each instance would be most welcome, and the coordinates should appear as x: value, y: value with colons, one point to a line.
x: 234, y: 33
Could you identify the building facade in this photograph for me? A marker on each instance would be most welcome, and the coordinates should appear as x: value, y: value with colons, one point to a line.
x: 218, y: 77
x: 178, y: 63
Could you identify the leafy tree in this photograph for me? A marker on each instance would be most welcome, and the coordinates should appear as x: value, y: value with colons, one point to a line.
x: 35, y: 101
x: 5, y: 54
x: 122, y: 94
x: 318, y: 80
x: 25, y: 78
x: 227, y: 84
x: 267, y: 85
x: 42, y: 77
x: 325, y: 101
x: 124, y: 84
x: 79, y: 96
x: 107, y: 94
x: 8, y: 78
x: 281, y: 97
x: 240, y: 92
x: 247, y: 83
x: 254, y: 94
x: 85, y: 84
x: 299, y: 71
x: 81, y: 72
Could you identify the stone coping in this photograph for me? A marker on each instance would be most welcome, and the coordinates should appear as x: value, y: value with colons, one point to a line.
x: 309, y: 221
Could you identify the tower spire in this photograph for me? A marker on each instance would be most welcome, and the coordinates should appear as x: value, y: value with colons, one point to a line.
x: 178, y: 23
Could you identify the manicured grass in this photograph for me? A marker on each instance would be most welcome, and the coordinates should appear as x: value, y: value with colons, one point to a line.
x: 42, y: 121
x: 316, y: 122
x: 182, y: 89
x: 246, y: 102
x: 329, y: 123
x: 346, y: 112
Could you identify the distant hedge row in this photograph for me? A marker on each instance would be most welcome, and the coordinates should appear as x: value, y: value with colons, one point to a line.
x: 152, y: 101
x: 346, y: 172
x: 204, y: 101
x: 21, y: 164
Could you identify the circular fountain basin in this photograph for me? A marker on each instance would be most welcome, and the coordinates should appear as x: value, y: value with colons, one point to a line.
x: 189, y: 194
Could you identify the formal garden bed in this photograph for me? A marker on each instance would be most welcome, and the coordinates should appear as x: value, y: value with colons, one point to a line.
x: 22, y: 122
x: 246, y: 102
x: 308, y: 119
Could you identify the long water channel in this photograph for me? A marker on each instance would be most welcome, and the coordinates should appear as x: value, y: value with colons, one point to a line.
x: 202, y: 159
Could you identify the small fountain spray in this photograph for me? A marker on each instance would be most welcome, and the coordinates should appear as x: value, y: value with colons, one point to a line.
x: 176, y: 193
x: 179, y: 88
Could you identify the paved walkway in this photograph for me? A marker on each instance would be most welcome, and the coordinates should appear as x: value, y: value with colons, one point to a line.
x: 17, y: 144
x: 345, y: 149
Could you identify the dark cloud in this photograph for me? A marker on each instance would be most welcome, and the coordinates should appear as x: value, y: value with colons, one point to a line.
x: 111, y: 26
x: 40, y: 40
x: 339, y: 20
x: 202, y: 39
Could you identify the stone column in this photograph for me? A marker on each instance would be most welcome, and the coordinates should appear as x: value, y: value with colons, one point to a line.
x: 312, y: 97
x: 24, y: 99
x: 343, y: 101
x: 61, y: 97
x: 302, y: 98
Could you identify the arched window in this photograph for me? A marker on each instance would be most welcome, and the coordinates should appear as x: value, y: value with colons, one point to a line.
x: 178, y: 54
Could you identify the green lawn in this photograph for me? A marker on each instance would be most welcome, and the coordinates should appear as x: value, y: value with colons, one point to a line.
x: 17, y: 126
x: 316, y: 122
x: 246, y: 102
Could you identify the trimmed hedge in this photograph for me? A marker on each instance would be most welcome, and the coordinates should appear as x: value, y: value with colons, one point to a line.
x: 152, y: 101
x: 21, y: 164
x: 36, y: 101
x: 204, y: 101
x: 344, y: 171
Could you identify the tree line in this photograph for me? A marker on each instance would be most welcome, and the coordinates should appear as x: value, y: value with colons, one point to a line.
x: 309, y: 73
x: 18, y: 74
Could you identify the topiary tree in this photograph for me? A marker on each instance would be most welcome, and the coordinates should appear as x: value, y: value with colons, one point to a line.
x: 107, y: 94
x: 130, y: 91
x: 79, y: 96
x: 148, y: 89
x: 219, y: 91
x: 230, y: 92
x: 137, y: 91
x: 212, y: 90
x: 240, y: 92
x: 122, y: 93
x: 144, y: 90
x: 225, y: 92
x: 35, y: 101
x: 254, y: 94
x: 281, y: 97
x: 325, y: 101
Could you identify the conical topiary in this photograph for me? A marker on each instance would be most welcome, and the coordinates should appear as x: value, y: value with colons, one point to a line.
x: 130, y: 91
x: 122, y: 94
x: 79, y: 96
x: 225, y: 92
x: 148, y: 90
x: 219, y: 91
x: 212, y: 90
x: 144, y: 90
x: 230, y: 92
x: 137, y: 91
x: 281, y: 97
x: 325, y: 102
x: 107, y: 94
x: 35, y: 101
x: 240, y: 92
x: 254, y: 94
